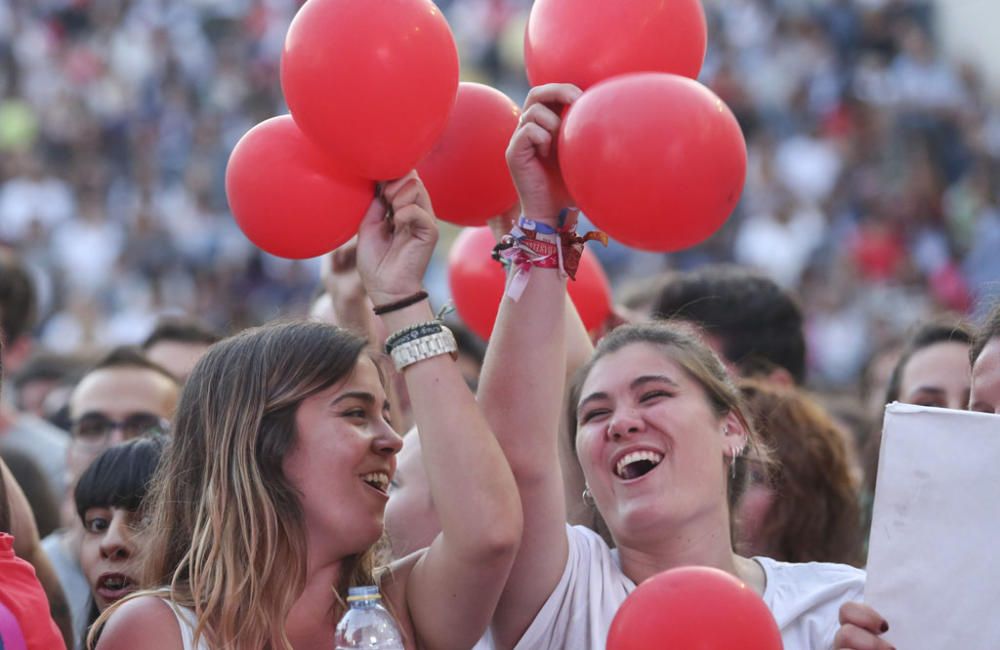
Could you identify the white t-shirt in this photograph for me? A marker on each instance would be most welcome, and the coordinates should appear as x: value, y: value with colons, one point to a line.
x: 804, y: 599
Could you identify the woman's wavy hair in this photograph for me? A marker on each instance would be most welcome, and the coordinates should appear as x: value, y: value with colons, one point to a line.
x: 816, y: 513
x: 225, y: 534
x: 679, y: 342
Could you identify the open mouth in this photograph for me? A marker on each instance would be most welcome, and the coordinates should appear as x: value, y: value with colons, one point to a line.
x: 378, y: 481
x: 637, y: 464
x: 112, y: 586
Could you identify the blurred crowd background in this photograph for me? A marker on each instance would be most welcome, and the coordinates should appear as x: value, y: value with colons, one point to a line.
x: 872, y: 187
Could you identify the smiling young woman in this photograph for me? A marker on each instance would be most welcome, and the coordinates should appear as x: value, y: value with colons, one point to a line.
x: 661, y: 437
x: 269, y: 504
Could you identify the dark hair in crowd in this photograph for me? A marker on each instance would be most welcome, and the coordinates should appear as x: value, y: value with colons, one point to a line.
x: 17, y: 297
x: 120, y: 476
x: 926, y: 335
x: 989, y: 331
x: 35, y: 486
x: 180, y: 330
x: 129, y: 356
x: 758, y: 323
x: 4, y: 505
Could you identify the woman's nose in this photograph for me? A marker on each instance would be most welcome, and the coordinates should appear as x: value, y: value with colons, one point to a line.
x: 624, y: 422
x: 117, y: 540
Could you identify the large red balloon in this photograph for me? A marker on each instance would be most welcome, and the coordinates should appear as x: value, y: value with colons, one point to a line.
x: 477, y: 283
x: 372, y: 82
x: 287, y: 197
x: 655, y: 160
x: 694, y: 608
x: 586, y: 41
x: 466, y: 171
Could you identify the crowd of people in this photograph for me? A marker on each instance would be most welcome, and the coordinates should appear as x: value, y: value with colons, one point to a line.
x: 872, y: 189
x: 202, y: 446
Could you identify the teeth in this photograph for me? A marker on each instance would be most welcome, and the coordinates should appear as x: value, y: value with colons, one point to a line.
x: 635, y: 456
x: 378, y: 480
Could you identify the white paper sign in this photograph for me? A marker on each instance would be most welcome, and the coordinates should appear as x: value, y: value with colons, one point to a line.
x: 934, y: 554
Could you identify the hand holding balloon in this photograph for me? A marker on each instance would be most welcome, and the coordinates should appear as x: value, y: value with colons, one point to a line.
x: 531, y: 155
x: 393, y: 254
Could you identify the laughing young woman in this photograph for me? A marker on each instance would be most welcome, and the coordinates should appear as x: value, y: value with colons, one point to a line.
x: 269, y: 503
x: 660, y: 435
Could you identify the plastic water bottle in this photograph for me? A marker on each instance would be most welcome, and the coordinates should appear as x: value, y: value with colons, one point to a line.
x: 367, y: 624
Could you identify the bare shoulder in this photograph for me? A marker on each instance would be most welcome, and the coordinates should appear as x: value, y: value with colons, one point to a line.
x: 146, y: 622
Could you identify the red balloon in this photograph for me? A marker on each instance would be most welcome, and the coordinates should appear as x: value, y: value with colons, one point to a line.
x: 466, y: 171
x: 371, y: 82
x: 477, y: 283
x: 586, y: 41
x: 655, y: 160
x: 694, y: 608
x: 287, y: 197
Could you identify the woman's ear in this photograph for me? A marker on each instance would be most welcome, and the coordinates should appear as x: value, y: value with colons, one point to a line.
x: 734, y: 434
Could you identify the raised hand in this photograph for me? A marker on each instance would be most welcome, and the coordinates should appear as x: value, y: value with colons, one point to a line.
x: 531, y: 154
x: 393, y: 253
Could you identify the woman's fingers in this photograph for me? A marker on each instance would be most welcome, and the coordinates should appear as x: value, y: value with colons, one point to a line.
x: 406, y: 191
x: 530, y: 139
x: 552, y: 94
x: 543, y: 116
x: 852, y: 637
x: 864, y: 617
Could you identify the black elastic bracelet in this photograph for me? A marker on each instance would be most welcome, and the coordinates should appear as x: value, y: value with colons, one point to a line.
x: 400, y: 304
x: 412, y: 333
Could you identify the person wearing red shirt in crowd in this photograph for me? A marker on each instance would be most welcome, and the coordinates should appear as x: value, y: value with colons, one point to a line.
x: 25, y: 623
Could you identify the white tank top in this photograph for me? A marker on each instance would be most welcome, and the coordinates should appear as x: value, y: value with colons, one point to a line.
x: 187, y: 621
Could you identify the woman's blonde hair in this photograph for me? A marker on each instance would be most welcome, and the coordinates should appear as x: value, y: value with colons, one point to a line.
x: 678, y: 341
x: 225, y: 534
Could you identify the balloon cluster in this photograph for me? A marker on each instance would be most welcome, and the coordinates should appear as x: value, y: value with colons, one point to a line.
x: 651, y: 156
x: 648, y: 154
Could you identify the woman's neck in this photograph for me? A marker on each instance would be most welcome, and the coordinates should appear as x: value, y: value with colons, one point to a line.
x: 314, y: 615
x: 700, y: 542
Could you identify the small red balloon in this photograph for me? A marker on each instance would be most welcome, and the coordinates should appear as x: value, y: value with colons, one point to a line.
x: 287, y: 197
x: 466, y: 172
x: 655, y: 160
x: 477, y: 283
x: 586, y: 41
x: 371, y: 82
x: 695, y: 608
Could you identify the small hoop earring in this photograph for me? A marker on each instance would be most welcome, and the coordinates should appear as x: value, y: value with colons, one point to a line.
x: 588, y: 497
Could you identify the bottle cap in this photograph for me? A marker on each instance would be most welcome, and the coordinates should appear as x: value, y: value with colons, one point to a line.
x: 369, y: 592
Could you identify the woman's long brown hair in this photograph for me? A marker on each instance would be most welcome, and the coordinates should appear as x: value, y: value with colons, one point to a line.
x: 225, y: 534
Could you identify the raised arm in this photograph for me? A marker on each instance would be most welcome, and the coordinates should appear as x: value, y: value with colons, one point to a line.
x: 524, y: 375
x: 452, y: 590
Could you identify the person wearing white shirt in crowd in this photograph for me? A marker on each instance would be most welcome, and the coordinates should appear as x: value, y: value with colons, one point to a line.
x: 662, y: 440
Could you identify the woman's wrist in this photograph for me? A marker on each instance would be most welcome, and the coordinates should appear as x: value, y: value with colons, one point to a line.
x: 419, y: 312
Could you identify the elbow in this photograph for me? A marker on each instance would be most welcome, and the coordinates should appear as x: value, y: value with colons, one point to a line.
x: 499, y: 542
x: 504, y: 539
